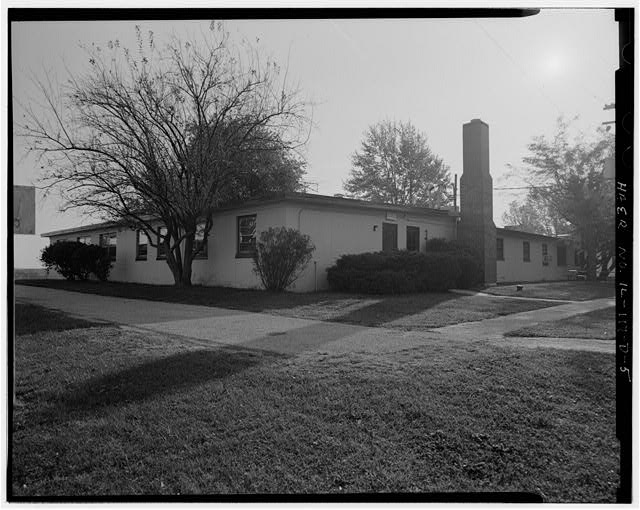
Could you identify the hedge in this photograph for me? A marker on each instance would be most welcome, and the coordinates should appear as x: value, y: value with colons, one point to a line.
x: 446, y: 265
x: 75, y: 260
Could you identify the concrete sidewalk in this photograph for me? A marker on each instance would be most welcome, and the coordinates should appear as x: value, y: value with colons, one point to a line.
x: 288, y: 335
x: 498, y: 326
x: 220, y: 326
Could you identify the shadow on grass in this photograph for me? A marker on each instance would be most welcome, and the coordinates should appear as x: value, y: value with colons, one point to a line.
x: 31, y: 319
x: 150, y: 379
x: 392, y: 309
x: 358, y: 309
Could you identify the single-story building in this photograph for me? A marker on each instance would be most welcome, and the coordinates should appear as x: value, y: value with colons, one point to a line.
x: 339, y: 226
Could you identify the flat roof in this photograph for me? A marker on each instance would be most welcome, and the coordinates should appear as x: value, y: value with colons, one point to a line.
x: 521, y: 233
x: 306, y: 198
x: 84, y: 228
x: 337, y: 201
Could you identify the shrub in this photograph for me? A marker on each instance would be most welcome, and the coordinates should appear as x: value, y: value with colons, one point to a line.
x: 98, y: 260
x: 280, y: 257
x: 75, y: 260
x: 59, y: 256
x: 447, y: 266
x: 466, y: 257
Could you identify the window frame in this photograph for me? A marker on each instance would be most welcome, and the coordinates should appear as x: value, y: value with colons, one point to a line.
x: 110, y: 247
x: 245, y: 253
x: 161, y: 255
x: 81, y: 239
x: 545, y: 254
x: 204, y: 252
x: 415, y: 236
x: 141, y: 256
x: 526, y: 251
x: 500, y: 252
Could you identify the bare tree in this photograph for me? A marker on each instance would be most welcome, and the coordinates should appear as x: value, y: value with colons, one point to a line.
x: 156, y: 136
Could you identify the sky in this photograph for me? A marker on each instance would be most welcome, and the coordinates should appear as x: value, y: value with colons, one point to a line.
x: 518, y: 75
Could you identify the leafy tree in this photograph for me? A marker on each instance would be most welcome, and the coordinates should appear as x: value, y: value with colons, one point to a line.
x: 535, y: 217
x: 395, y: 165
x: 163, y: 136
x: 568, y: 178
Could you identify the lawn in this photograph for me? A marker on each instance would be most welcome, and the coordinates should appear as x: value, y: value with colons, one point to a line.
x: 106, y: 411
x: 598, y: 324
x: 573, y: 290
x: 31, y: 319
x: 404, y: 311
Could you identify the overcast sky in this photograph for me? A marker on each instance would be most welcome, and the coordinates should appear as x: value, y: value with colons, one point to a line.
x: 518, y: 75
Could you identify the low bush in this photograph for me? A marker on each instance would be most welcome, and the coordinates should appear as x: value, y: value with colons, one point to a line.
x: 280, y: 257
x: 75, y: 260
x: 444, y: 266
x: 466, y: 257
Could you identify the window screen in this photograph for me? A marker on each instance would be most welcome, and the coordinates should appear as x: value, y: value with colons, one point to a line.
x: 246, y: 235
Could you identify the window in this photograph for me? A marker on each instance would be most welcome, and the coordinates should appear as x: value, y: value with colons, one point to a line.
x: 526, y: 256
x: 413, y: 238
x: 545, y: 254
x: 389, y: 237
x: 246, y: 235
x: 142, y: 244
x: 199, y: 246
x: 562, y: 255
x: 109, y: 242
x: 84, y: 239
x: 499, y: 248
x: 161, y: 252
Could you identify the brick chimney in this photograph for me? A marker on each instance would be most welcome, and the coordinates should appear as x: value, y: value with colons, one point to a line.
x: 476, y: 197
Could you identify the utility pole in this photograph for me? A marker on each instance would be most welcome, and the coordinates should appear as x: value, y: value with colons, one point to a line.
x: 455, y: 192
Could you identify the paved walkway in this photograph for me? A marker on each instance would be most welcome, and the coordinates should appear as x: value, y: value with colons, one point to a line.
x: 289, y: 335
x: 465, y: 292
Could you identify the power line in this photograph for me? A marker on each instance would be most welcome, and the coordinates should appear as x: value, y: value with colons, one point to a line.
x: 524, y: 187
x: 527, y: 76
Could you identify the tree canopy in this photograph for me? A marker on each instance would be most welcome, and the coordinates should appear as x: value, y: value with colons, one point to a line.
x: 395, y: 165
x: 169, y: 132
x: 533, y: 216
x: 568, y: 177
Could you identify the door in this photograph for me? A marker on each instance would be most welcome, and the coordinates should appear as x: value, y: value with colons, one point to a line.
x: 389, y: 237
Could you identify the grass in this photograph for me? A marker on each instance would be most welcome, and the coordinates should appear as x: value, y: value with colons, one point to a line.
x: 404, y: 312
x: 598, y: 324
x: 573, y: 290
x: 32, y: 318
x: 107, y: 411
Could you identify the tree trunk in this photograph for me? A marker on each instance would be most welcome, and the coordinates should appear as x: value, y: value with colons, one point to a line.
x: 185, y: 280
x: 592, y: 258
x: 181, y: 266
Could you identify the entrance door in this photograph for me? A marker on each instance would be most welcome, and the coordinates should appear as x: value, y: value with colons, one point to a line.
x: 389, y: 237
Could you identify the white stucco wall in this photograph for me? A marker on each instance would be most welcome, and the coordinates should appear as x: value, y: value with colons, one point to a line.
x: 514, y: 269
x: 337, y: 232
x: 334, y: 231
